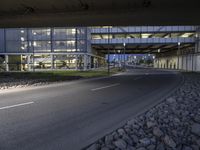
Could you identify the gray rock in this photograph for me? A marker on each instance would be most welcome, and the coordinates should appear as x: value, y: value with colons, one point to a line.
x: 121, y: 131
x: 120, y: 144
x: 169, y: 141
x: 141, y: 148
x: 197, y: 142
x: 160, y: 147
x: 186, y: 148
x: 171, y: 100
x: 109, y: 139
x: 130, y: 148
x: 157, y: 132
x: 195, y: 147
x: 151, y: 147
x: 195, y: 129
x: 145, y: 141
x: 105, y: 148
x: 135, y: 138
x: 150, y: 124
x: 127, y: 139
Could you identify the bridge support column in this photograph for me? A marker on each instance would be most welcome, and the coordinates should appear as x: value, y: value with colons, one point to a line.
x: 52, y: 61
x: 196, y: 56
x: 29, y: 62
x: 7, y: 62
x: 85, y: 61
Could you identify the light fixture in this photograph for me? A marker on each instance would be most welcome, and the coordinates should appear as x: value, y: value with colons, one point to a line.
x: 22, y: 31
x: 179, y: 43
x: 146, y: 35
x: 124, y: 44
x: 158, y: 50
x: 34, y: 43
x: 22, y: 39
x: 73, y: 31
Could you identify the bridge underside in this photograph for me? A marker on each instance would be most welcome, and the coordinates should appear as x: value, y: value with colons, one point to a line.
x: 143, y: 49
x: 51, y: 13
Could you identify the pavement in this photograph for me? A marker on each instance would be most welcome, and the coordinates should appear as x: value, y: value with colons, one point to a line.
x: 70, y: 116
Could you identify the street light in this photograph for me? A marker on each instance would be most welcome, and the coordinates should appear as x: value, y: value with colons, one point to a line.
x: 178, y: 53
x: 108, y: 51
x: 34, y: 44
x: 124, y: 44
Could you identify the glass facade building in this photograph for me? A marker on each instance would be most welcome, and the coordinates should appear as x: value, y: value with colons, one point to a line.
x: 27, y: 49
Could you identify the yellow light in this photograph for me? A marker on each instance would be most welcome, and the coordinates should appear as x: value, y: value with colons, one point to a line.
x: 145, y: 35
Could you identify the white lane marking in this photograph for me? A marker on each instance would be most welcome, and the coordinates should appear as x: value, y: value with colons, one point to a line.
x: 17, y: 105
x: 104, y: 87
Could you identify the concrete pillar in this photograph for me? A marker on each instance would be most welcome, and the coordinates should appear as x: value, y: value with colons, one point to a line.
x: 89, y: 62
x: 7, y: 62
x: 197, y: 50
x: 52, y: 61
x: 76, y: 67
x: 85, y: 61
x: 29, y: 62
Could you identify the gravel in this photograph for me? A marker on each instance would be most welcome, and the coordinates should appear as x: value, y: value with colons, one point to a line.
x: 10, y: 83
x: 172, y: 124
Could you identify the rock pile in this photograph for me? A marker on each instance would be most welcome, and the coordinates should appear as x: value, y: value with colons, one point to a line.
x: 173, y: 124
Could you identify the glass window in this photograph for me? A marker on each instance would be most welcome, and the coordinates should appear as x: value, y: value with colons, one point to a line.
x: 64, y: 33
x: 40, y: 34
x: 16, y: 40
x: 40, y: 46
x: 2, y: 42
x: 64, y: 46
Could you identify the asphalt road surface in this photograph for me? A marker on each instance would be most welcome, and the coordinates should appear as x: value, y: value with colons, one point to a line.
x: 69, y: 116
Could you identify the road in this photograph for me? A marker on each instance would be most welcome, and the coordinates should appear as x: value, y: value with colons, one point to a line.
x: 69, y: 116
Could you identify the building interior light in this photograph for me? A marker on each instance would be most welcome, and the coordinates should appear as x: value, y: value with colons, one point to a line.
x: 22, y: 39
x: 185, y: 35
x: 34, y: 43
x: 22, y: 47
x: 48, y: 33
x: 158, y: 50
x: 73, y: 31
x: 145, y: 35
x: 70, y: 42
x: 34, y: 33
x: 22, y: 31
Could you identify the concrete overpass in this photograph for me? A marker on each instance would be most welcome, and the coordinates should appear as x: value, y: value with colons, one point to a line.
x: 175, y: 47
x: 51, y: 13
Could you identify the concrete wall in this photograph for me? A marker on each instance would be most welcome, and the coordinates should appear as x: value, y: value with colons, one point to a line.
x: 190, y: 62
x: 187, y: 62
